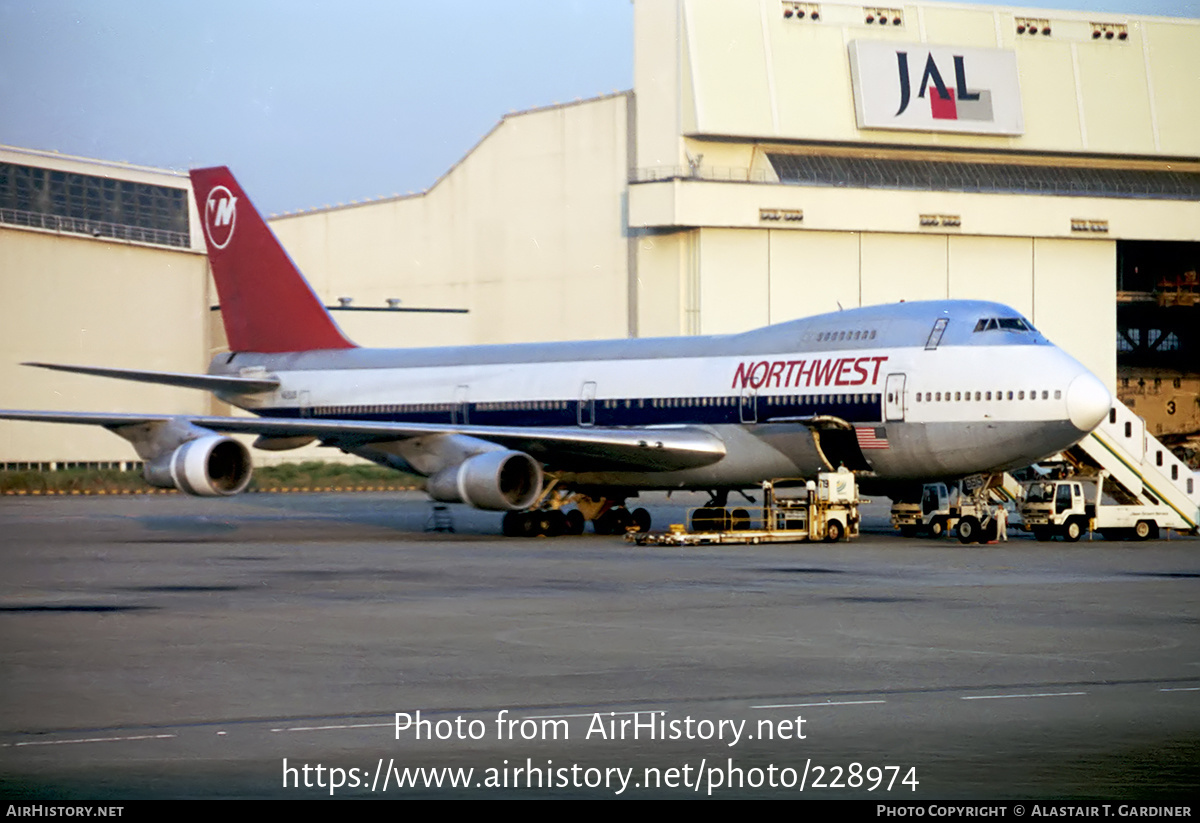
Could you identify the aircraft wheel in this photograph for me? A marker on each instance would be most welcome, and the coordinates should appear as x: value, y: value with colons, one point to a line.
x: 511, y: 524
x: 528, y: 524
x: 991, y: 533
x: 640, y: 520
x: 937, y: 528
x: 968, y: 530
x: 623, y: 519
x: 724, y: 521
x: 705, y: 520
x: 1042, y: 533
x: 1073, y: 530
x: 908, y: 531
x: 555, y: 523
x: 540, y: 524
x: 606, y: 523
x: 833, y: 531
x: 575, y: 522
x: 739, y: 519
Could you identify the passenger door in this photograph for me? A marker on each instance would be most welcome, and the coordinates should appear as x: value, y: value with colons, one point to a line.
x: 587, y: 405
x: 460, y: 413
x: 749, y: 405
x: 893, y: 398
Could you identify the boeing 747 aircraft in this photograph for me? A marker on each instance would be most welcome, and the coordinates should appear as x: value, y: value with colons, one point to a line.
x: 559, y: 433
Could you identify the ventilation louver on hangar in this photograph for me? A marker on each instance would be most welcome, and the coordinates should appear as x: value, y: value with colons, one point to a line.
x: 1001, y: 178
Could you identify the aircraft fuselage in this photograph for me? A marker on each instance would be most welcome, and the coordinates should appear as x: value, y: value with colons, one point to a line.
x: 928, y: 389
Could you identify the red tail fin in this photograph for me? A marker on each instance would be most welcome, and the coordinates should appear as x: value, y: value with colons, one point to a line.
x: 266, y: 303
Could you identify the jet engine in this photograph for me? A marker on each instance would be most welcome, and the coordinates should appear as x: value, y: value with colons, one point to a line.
x: 210, y: 466
x: 498, y: 480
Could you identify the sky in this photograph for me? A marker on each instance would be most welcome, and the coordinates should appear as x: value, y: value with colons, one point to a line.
x: 315, y: 103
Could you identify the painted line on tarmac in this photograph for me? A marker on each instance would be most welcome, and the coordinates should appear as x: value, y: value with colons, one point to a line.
x: 88, y: 740
x: 1019, y: 696
x: 585, y: 714
x: 333, y: 728
x: 806, y: 705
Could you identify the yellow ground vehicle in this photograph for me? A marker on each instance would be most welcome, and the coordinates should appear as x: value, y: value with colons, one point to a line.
x: 792, y: 511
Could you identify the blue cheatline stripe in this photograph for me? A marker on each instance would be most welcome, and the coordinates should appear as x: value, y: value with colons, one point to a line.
x: 624, y: 412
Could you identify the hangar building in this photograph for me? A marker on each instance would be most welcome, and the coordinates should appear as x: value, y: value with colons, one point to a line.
x: 775, y: 159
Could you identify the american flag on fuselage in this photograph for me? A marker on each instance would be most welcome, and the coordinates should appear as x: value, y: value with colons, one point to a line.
x: 874, y: 437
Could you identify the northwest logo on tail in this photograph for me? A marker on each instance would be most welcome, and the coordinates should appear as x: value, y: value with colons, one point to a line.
x: 220, y: 215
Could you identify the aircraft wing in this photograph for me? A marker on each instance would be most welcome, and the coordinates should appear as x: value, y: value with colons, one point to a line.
x: 666, y: 448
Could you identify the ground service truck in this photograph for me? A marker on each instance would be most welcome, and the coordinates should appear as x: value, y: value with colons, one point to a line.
x: 1060, y: 508
x: 792, y: 511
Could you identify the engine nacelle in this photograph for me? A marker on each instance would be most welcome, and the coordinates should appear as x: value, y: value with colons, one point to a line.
x: 212, y: 466
x: 496, y: 480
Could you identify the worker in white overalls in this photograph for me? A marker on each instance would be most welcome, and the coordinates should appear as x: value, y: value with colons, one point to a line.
x: 1002, y: 524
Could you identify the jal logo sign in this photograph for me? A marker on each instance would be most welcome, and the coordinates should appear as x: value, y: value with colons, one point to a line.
x: 935, y: 88
x: 220, y: 214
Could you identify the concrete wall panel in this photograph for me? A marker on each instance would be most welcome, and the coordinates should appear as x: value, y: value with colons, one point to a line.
x: 80, y: 301
x: 812, y: 273
x: 992, y: 268
x: 1075, y: 300
x: 899, y: 267
x: 734, y: 285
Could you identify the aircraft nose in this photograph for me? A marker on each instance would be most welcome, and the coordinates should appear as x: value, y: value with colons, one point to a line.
x: 1088, y: 401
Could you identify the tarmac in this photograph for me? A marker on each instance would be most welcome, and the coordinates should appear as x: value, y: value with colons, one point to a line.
x: 282, y: 646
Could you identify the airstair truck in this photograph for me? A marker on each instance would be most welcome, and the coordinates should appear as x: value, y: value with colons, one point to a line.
x: 1059, y: 508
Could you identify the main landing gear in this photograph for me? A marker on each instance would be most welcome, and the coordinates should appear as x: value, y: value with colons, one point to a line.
x: 543, y: 523
x: 608, y: 516
x: 619, y: 520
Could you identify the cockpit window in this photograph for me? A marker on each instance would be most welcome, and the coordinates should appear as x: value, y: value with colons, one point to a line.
x: 1006, y: 323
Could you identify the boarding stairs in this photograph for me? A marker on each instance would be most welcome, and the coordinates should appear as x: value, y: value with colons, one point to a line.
x: 1006, y: 490
x: 1142, y: 469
